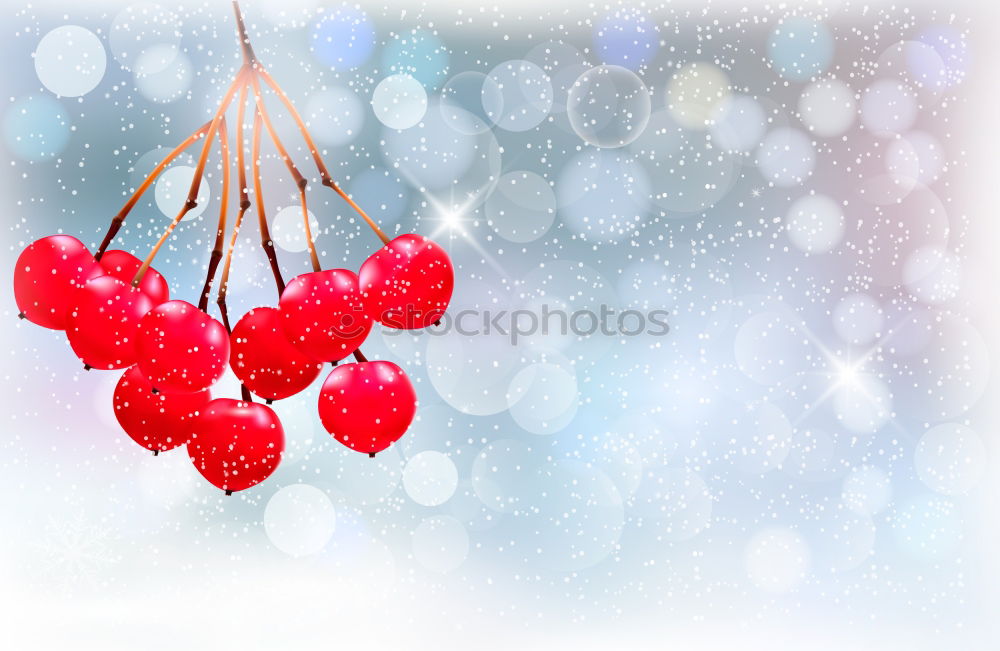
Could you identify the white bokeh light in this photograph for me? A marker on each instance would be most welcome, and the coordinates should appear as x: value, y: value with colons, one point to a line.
x: 299, y: 519
x: 399, y: 101
x: 70, y: 61
x: 694, y: 93
x: 288, y: 231
x: 430, y: 478
x: 171, y: 192
x: 815, y: 223
x: 827, y: 107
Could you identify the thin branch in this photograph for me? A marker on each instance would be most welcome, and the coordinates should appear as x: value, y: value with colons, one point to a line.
x: 324, y: 174
x: 116, y: 222
x: 265, y: 233
x: 192, y: 202
x: 248, y: 56
x: 300, y: 181
x: 244, y: 206
x: 220, y: 233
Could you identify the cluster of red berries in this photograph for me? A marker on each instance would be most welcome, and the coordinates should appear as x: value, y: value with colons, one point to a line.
x: 117, y: 316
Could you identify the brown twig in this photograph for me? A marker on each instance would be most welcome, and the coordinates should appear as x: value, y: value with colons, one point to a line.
x: 248, y: 56
x: 116, y: 222
x: 220, y: 233
x: 244, y: 206
x: 192, y: 197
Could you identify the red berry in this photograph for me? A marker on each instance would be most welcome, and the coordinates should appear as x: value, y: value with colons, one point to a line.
x: 47, y: 273
x: 123, y: 266
x: 367, y: 406
x: 322, y: 314
x: 103, y: 320
x: 264, y: 361
x: 156, y: 421
x: 181, y: 349
x: 236, y: 445
x: 407, y: 283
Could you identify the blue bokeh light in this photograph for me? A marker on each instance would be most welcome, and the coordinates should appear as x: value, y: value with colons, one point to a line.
x: 344, y: 38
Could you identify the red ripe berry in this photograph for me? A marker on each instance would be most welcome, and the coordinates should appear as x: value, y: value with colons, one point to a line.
x: 236, y: 445
x: 264, y: 361
x: 322, y: 314
x: 181, y: 349
x: 367, y: 406
x: 103, y: 320
x: 47, y: 273
x: 123, y: 266
x: 407, y: 283
x: 156, y: 421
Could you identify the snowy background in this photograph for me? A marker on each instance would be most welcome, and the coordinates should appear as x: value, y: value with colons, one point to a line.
x: 807, y: 459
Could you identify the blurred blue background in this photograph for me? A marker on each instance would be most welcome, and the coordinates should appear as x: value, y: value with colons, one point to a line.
x: 803, y: 460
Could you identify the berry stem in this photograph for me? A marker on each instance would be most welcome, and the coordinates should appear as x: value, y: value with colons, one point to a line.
x: 358, y: 355
x: 324, y: 174
x: 116, y: 222
x: 300, y: 181
x: 220, y: 233
x: 244, y: 206
x: 265, y: 233
x: 248, y: 56
x: 192, y: 197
